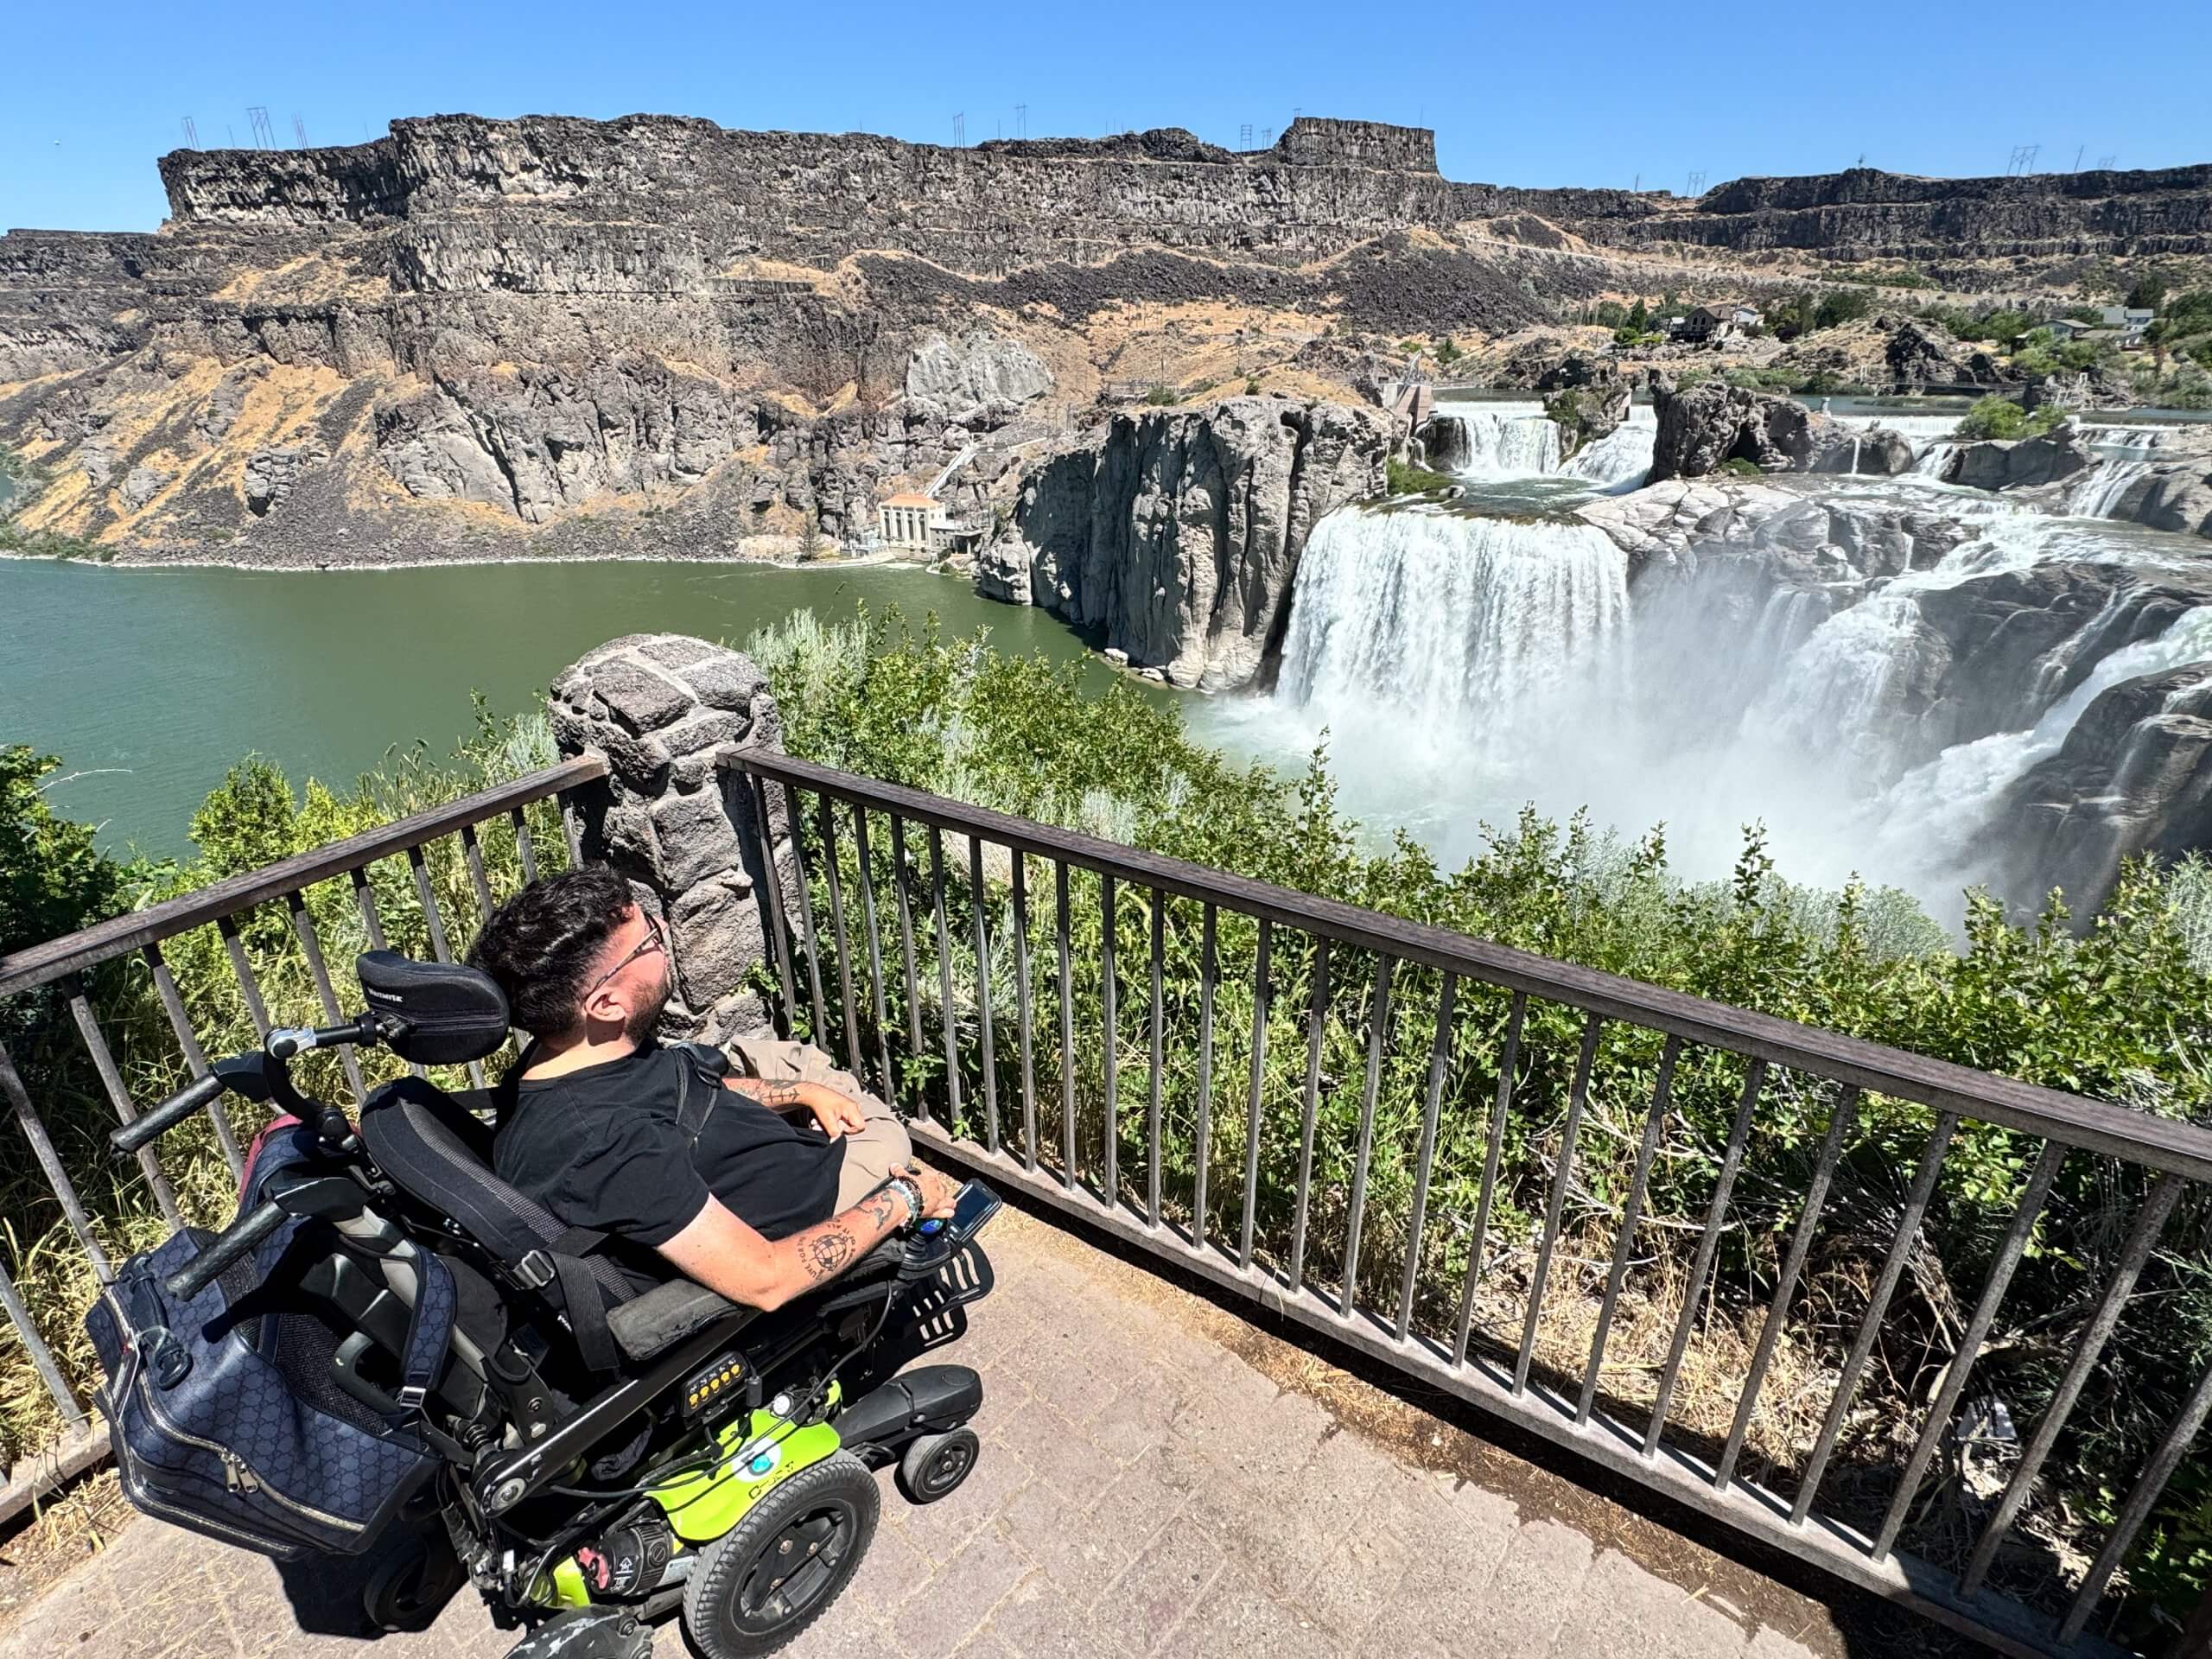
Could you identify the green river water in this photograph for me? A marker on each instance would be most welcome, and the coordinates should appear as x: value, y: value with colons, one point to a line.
x: 150, y: 682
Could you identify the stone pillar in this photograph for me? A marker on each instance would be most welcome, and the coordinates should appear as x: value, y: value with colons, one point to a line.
x: 658, y: 706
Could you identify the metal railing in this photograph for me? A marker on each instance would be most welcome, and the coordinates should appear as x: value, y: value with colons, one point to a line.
x: 1431, y: 1279
x: 452, y: 838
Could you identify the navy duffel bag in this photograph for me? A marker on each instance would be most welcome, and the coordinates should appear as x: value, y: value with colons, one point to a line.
x: 225, y: 1416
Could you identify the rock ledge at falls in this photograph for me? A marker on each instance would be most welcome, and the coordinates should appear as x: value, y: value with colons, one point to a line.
x: 1702, y: 428
x: 1176, y: 534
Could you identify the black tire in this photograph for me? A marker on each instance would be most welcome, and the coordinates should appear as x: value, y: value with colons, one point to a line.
x: 410, y: 1584
x: 933, y: 1466
x: 737, y: 1604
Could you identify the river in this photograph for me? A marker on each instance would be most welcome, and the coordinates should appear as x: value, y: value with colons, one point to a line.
x: 150, y: 682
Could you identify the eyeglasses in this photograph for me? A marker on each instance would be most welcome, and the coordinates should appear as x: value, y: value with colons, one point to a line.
x: 651, y: 942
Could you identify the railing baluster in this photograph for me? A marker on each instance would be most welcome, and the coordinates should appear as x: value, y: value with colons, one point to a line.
x: 2001, y: 1266
x: 241, y: 970
x: 979, y: 903
x: 57, y: 1178
x: 1878, y: 1307
x: 826, y: 823
x: 876, y: 1001
x: 110, y: 1075
x: 2137, y: 1509
x: 1203, y: 1131
x: 1708, y: 1242
x: 1159, y: 1062
x: 1022, y: 1011
x: 1785, y: 1290
x: 523, y: 846
x: 420, y: 868
x: 780, y: 929
x: 57, y: 1386
x: 364, y: 902
x: 473, y: 854
x: 195, y: 1058
x: 1631, y: 1212
x: 1110, y: 1031
x: 1509, y: 1058
x: 570, y: 835
x: 820, y: 1032
x: 902, y: 885
x: 1067, y: 1025
x: 1316, y: 1019
x: 1379, y: 1027
x: 1578, y: 1098
x: 2157, y: 1206
x: 1440, y: 1062
x: 946, y: 1023
x: 311, y: 947
x: 1260, y: 992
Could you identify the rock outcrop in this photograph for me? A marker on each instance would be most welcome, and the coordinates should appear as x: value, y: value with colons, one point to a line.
x: 985, y: 376
x: 1586, y: 399
x: 2013, y: 463
x: 1176, y: 536
x: 1703, y: 427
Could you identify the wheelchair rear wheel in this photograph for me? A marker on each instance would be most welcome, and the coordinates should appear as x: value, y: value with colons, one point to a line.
x: 776, y: 1571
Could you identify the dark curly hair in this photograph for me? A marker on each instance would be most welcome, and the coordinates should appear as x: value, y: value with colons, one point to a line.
x: 540, y: 945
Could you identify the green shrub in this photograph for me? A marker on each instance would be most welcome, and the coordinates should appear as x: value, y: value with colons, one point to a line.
x: 1406, y: 479
x: 1160, y: 397
x: 2000, y: 418
x: 1737, y: 466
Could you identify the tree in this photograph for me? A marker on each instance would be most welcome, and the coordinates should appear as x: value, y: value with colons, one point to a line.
x: 2149, y: 292
x: 1844, y: 305
x: 1639, y: 317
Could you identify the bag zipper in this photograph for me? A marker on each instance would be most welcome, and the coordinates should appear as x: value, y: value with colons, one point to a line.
x: 237, y: 1475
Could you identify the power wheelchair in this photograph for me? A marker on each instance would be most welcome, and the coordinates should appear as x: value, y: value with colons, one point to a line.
x: 592, y: 1457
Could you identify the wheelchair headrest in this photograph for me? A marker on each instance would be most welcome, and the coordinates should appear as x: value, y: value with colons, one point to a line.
x: 451, y: 1013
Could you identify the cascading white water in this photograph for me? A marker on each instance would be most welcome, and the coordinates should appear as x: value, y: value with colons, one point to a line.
x: 1936, y: 813
x: 1466, y: 625
x: 1507, y: 440
x: 1936, y: 460
x: 2098, y: 495
x: 1622, y: 459
x: 2124, y: 443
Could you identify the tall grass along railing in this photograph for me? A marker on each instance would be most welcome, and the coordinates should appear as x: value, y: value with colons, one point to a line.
x: 118, y: 1016
x: 1881, y: 1310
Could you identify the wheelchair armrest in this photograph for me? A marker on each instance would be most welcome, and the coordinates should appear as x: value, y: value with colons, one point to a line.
x: 645, y: 1325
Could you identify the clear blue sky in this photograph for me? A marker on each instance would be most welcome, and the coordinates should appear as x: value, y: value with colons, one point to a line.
x: 1592, y: 93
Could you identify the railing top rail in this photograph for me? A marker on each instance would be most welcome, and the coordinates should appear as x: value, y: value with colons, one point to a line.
x: 2072, y: 1120
x: 106, y: 940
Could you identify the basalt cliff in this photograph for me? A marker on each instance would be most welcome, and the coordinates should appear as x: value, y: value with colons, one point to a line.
x: 656, y: 337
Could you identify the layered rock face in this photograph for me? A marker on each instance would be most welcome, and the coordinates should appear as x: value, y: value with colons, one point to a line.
x: 1177, y: 537
x: 1704, y: 428
x: 2012, y: 463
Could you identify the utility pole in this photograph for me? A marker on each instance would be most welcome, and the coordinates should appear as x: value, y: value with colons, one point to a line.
x: 264, y: 135
x: 1021, y: 120
x: 191, y: 134
x: 1244, y: 136
x: 300, y: 130
x: 960, y: 130
x: 2078, y: 149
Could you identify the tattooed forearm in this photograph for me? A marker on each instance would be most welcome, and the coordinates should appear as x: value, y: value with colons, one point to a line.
x: 777, y: 1097
x: 825, y: 1252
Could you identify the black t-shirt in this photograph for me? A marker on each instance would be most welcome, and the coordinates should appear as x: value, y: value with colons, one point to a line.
x: 601, y: 1149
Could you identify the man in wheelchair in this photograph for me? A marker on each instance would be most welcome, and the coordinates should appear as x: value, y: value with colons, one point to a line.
x: 640, y: 1348
x: 651, y: 1145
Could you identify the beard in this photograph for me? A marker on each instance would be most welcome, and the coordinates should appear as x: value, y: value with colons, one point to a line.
x: 645, y: 1017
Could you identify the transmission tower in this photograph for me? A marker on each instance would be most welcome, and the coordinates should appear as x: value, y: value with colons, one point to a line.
x: 960, y: 130
x: 1021, y: 120
x: 1697, y: 183
x: 2078, y: 149
x: 191, y: 134
x: 2106, y: 164
x: 300, y: 132
x: 264, y: 135
x: 1244, y: 136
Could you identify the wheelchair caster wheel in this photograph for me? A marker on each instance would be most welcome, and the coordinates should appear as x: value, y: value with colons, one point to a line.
x: 936, y: 1464
x: 758, y: 1585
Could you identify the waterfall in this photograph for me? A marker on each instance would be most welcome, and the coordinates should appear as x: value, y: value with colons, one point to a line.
x: 1936, y: 460
x: 1941, y: 812
x: 2098, y: 495
x: 2124, y: 443
x: 1450, y: 627
x: 1622, y: 459
x: 1507, y: 440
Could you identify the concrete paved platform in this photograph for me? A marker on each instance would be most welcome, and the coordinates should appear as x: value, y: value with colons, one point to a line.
x: 1159, y: 1478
